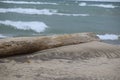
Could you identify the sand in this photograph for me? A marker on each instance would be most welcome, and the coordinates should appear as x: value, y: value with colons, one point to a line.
x: 87, y: 61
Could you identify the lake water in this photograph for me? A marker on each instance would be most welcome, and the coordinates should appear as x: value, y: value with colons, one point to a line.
x: 47, y: 17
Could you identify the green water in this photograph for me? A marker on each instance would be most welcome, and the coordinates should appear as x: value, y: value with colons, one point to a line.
x: 100, y: 20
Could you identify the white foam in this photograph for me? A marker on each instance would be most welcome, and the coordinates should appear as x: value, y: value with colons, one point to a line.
x: 104, y: 5
x: 109, y: 37
x: 35, y: 25
x: 2, y: 36
x: 25, y: 2
x: 62, y: 14
x: 101, y: 0
x: 98, y: 5
x: 82, y: 4
x: 37, y: 11
x: 29, y: 11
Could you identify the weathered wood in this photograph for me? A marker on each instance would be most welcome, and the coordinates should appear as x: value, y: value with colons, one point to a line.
x: 24, y: 45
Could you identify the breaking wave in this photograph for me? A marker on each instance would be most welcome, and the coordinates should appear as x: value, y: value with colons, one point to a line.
x: 101, y: 0
x: 34, y: 25
x: 109, y: 37
x: 29, y: 11
x: 98, y: 5
x: 62, y: 14
x: 25, y: 2
x: 104, y: 5
x: 37, y: 11
x: 2, y: 36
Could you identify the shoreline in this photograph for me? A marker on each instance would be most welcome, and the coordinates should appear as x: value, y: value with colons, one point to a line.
x: 114, y: 42
x: 89, y: 60
x: 107, y: 38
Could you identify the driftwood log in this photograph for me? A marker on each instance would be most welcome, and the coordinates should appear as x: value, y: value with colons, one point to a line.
x: 24, y: 45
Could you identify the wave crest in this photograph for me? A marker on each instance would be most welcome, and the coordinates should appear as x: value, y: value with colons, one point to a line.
x: 37, y: 11
x: 35, y: 26
x: 109, y: 37
x: 101, y: 0
x: 28, y: 11
x: 25, y: 2
x: 2, y: 36
x: 98, y: 5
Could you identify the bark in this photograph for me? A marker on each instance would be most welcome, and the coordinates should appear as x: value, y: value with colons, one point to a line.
x: 25, y: 45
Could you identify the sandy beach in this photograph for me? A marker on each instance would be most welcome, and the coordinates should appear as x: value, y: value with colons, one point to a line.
x: 59, y: 39
x: 93, y: 60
